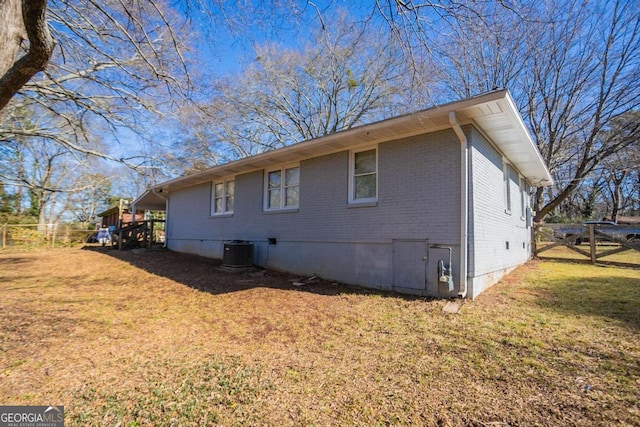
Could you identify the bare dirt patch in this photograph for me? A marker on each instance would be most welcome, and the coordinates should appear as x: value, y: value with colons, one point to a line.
x: 160, y: 338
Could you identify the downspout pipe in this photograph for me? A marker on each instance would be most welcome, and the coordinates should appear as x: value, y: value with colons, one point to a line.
x: 464, y: 202
x: 132, y: 212
x: 166, y: 216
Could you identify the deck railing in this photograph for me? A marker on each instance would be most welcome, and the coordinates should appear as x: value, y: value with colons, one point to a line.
x: 143, y: 234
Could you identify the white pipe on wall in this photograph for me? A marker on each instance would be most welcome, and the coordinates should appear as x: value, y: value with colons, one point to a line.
x: 464, y: 202
x: 166, y: 215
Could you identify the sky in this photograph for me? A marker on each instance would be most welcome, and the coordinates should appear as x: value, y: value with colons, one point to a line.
x: 226, y: 47
x: 223, y: 50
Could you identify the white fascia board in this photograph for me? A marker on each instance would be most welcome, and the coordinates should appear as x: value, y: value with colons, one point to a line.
x: 421, y: 122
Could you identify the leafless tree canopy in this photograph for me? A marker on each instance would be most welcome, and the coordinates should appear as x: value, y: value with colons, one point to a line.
x: 345, y: 76
x: 115, y: 64
x: 573, y: 67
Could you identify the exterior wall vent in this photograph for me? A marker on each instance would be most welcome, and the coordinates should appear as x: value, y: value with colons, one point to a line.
x: 238, y: 253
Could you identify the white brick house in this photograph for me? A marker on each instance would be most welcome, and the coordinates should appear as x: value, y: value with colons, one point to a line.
x: 384, y: 205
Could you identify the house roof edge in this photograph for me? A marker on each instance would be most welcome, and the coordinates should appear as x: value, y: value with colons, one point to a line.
x: 420, y: 122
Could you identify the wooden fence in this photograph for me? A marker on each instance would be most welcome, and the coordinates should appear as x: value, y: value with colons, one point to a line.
x: 41, y: 235
x: 132, y: 235
x: 602, y: 239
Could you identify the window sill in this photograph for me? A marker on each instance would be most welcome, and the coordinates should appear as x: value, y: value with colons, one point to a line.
x: 222, y: 215
x: 278, y: 211
x: 362, y: 204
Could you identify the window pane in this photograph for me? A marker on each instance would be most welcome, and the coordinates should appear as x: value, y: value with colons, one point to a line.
x: 365, y: 162
x: 365, y: 187
x: 292, y: 177
x: 523, y: 200
x: 274, y: 179
x: 218, y: 190
x: 218, y: 206
x: 507, y: 187
x: 274, y: 198
x: 231, y: 186
x: 292, y: 196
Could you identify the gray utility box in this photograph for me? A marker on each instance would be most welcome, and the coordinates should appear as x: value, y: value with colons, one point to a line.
x: 237, y: 253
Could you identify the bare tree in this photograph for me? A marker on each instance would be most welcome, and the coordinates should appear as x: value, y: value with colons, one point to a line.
x: 620, y: 171
x: 28, y: 43
x: 116, y: 65
x: 56, y: 182
x: 85, y: 204
x: 584, y: 77
x: 347, y: 75
x: 37, y: 167
x: 572, y: 66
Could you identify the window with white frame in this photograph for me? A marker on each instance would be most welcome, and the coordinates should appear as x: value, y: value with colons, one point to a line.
x: 506, y: 170
x: 283, y: 188
x: 524, y: 193
x: 363, y: 180
x: 222, y: 197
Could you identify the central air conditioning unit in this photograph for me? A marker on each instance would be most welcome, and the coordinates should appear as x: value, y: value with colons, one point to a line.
x: 237, y: 254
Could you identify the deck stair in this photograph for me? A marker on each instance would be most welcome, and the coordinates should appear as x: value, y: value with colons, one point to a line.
x: 136, y: 234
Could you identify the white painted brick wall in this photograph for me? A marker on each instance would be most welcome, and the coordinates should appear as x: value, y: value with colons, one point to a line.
x: 418, y: 197
x: 492, y: 227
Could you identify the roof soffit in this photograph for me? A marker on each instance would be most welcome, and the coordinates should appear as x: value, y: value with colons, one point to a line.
x: 493, y: 113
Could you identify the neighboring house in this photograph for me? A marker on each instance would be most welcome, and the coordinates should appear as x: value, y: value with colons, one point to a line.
x: 631, y: 220
x: 381, y: 205
x: 112, y: 216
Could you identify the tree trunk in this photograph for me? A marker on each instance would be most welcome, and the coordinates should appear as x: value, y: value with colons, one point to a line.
x: 32, y: 19
x: 617, y: 195
x: 42, y: 217
x: 12, y: 32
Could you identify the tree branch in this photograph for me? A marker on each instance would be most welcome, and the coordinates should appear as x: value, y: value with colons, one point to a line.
x: 36, y: 59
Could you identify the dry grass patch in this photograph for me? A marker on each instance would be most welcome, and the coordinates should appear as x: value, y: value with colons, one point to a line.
x: 167, y: 339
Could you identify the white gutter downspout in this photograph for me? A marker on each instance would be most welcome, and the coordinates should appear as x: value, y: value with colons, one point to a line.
x: 166, y: 215
x: 464, y: 201
x: 133, y: 212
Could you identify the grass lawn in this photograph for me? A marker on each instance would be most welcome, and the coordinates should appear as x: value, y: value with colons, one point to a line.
x: 159, y: 338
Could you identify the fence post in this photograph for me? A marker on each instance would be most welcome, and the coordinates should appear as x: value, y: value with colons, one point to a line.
x: 53, y: 237
x: 592, y: 243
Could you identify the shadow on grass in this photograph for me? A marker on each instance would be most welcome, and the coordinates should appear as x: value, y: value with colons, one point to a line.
x: 206, y: 274
x: 615, y: 298
x: 14, y: 260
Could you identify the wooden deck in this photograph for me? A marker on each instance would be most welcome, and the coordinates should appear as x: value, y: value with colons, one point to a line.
x: 138, y: 234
